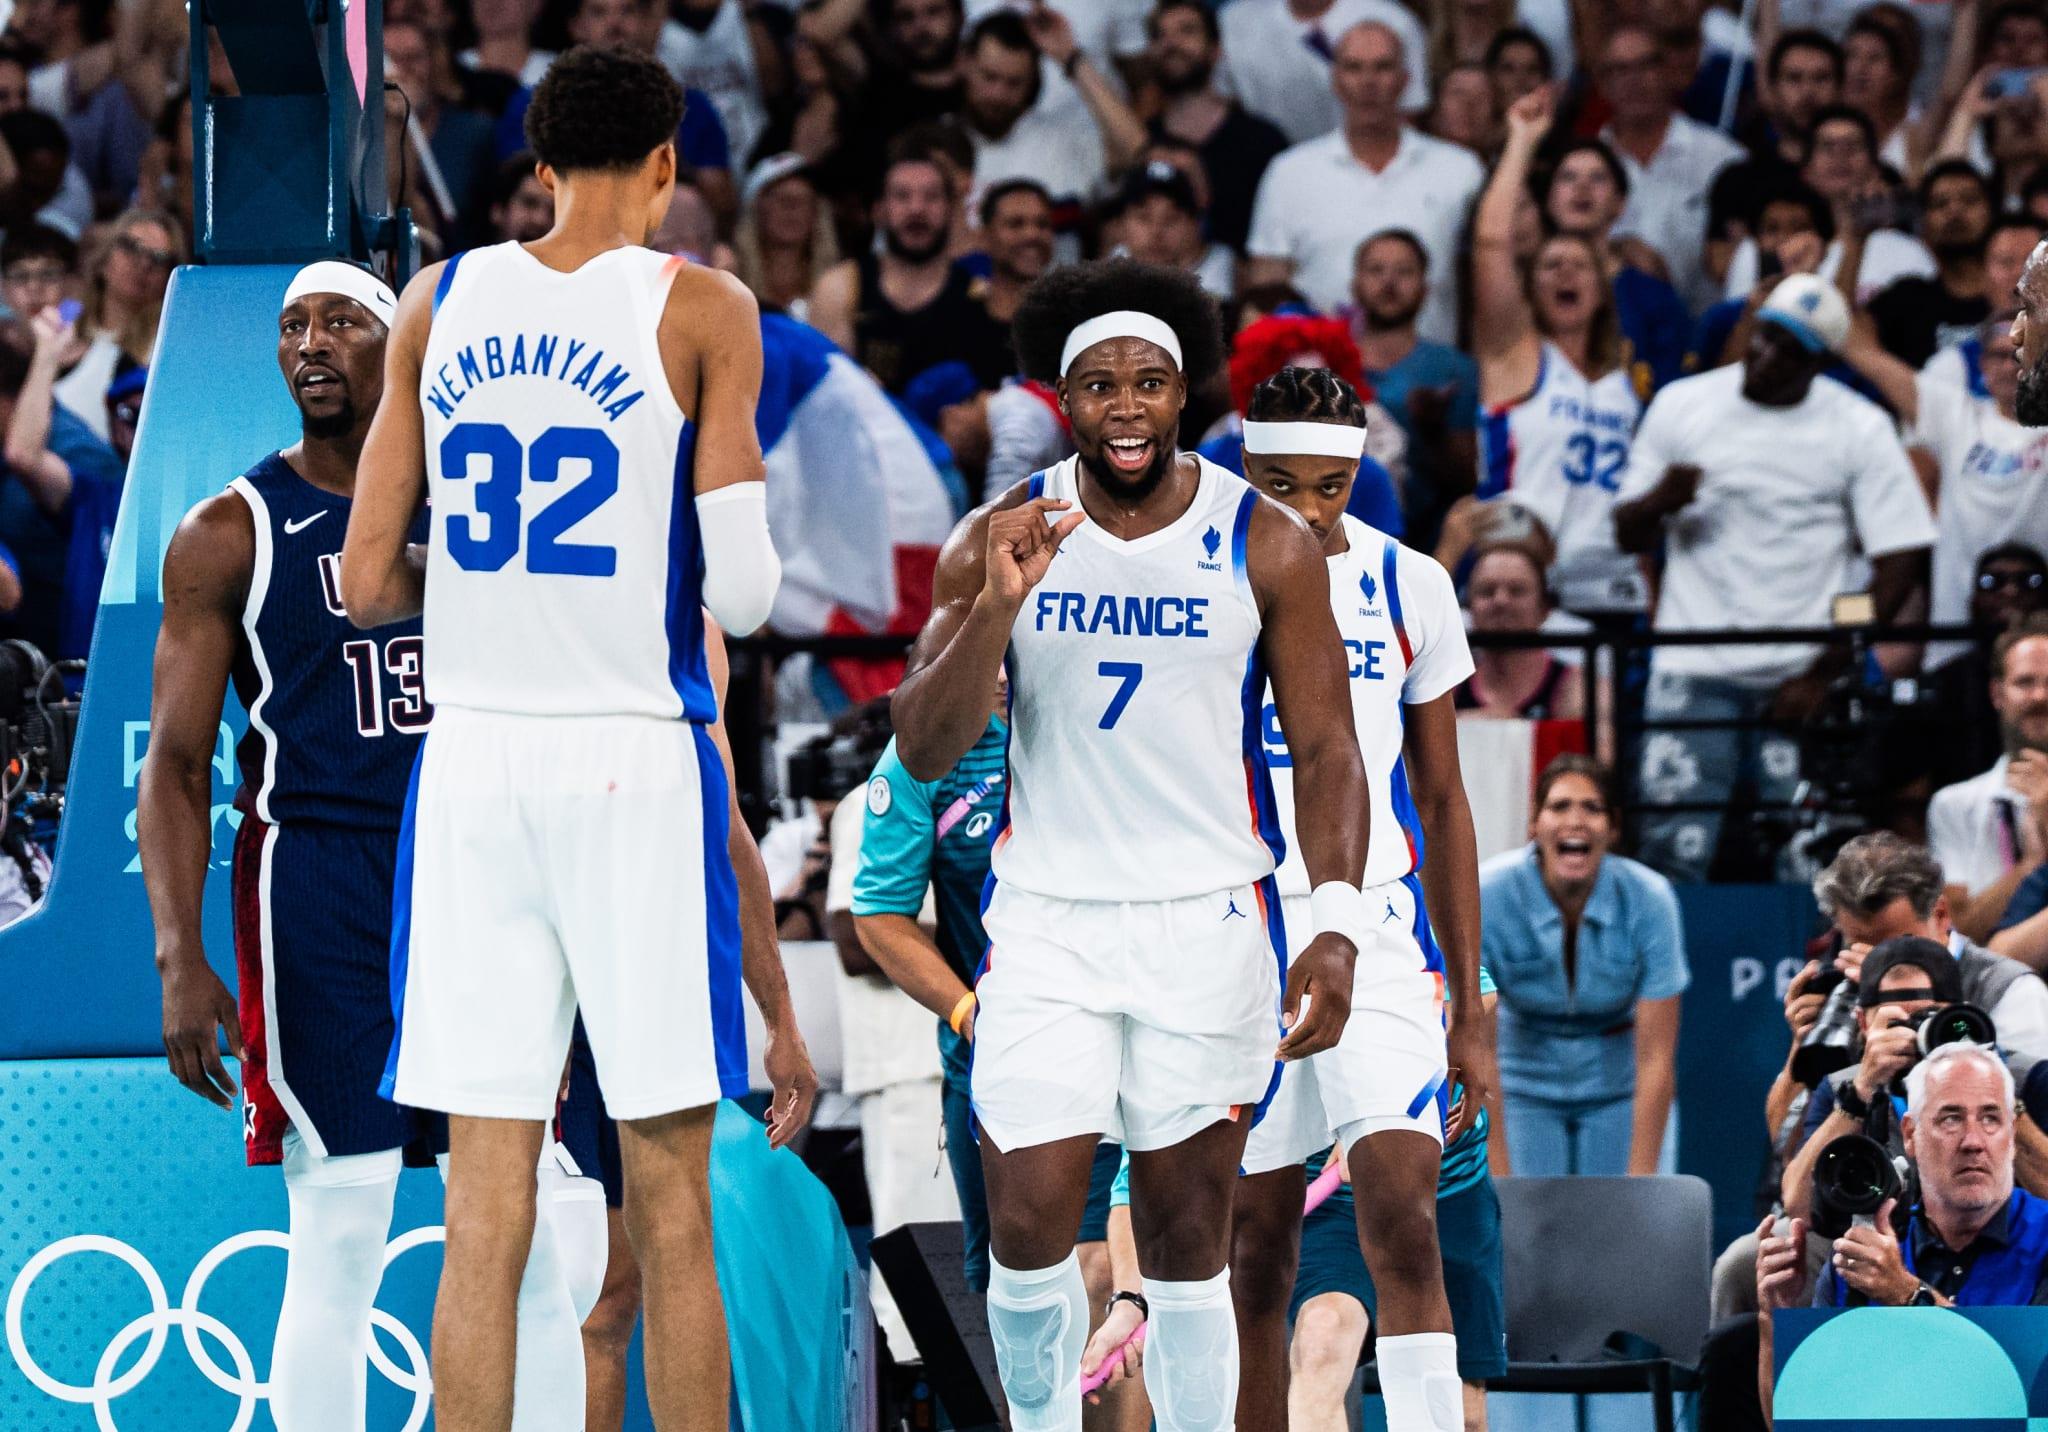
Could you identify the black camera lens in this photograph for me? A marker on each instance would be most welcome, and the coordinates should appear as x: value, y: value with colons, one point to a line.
x: 1852, y: 1178
x: 1952, y: 1024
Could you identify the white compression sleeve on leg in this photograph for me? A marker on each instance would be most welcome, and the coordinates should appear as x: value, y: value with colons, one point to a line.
x: 1039, y: 1321
x: 547, y: 1378
x: 582, y: 1235
x: 741, y: 570
x: 1419, y: 1380
x: 1191, y: 1355
x: 340, y: 1218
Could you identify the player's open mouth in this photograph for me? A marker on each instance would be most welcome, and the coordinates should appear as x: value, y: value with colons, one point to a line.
x: 1128, y: 454
x: 1575, y: 847
x: 318, y: 380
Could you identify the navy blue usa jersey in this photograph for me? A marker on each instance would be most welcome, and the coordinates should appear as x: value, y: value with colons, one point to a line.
x: 336, y: 715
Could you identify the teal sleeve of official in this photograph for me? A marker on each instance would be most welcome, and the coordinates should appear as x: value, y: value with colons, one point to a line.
x: 896, y: 840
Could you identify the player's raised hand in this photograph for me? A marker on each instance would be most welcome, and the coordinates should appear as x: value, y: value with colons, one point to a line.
x: 788, y: 1064
x: 1021, y: 544
x: 1318, y: 998
x: 197, y: 1009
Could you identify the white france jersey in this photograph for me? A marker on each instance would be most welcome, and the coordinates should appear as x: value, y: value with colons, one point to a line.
x: 565, y: 560
x: 1136, y: 769
x: 1561, y: 453
x: 1404, y: 644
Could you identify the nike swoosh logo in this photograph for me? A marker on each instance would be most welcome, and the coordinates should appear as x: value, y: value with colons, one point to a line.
x: 302, y: 524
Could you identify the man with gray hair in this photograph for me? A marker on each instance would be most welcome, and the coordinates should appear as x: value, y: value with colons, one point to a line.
x: 1881, y: 887
x: 1318, y: 198
x: 1973, y: 1239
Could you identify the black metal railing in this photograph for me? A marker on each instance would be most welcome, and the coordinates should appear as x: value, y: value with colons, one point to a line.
x: 1614, y: 663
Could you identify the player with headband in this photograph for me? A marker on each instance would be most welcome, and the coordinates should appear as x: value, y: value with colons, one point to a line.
x: 1384, y: 1092
x: 1141, y: 597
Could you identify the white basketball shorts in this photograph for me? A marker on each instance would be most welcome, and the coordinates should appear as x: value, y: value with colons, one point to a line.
x: 552, y: 862
x: 1143, y: 1022
x: 1388, y: 1070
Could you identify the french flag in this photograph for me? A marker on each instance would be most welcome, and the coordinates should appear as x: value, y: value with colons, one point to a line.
x: 856, y: 506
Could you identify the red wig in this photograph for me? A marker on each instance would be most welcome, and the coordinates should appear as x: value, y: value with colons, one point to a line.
x: 1270, y: 344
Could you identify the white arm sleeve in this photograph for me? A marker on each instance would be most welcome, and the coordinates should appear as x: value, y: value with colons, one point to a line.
x: 741, y: 570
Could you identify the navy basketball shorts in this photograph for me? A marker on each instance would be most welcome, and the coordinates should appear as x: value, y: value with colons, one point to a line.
x: 585, y: 1128
x: 1468, y: 1236
x: 313, y: 951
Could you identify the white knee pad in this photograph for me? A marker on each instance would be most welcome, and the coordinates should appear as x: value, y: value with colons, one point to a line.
x: 1191, y: 1355
x: 1419, y: 1379
x: 340, y: 1219
x: 576, y: 1207
x: 1039, y: 1320
x: 548, y: 1382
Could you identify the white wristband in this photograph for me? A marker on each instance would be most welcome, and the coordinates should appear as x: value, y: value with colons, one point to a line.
x: 1336, y: 908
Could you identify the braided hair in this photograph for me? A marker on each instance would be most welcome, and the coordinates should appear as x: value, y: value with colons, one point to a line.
x: 1306, y: 395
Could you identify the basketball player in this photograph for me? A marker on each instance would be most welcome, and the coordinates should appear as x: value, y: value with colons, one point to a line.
x: 335, y: 720
x: 585, y: 427
x: 1139, y: 596
x: 1384, y: 1093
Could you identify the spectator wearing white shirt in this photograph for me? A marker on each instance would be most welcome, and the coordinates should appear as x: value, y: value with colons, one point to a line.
x: 504, y: 41
x: 1671, y: 161
x: 1278, y: 54
x: 1991, y: 831
x: 1991, y: 474
x: 1319, y: 198
x: 1841, y: 166
x: 1763, y: 485
x: 1017, y: 135
x: 729, y: 55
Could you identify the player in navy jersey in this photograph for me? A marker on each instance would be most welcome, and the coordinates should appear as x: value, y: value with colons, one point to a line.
x: 335, y: 720
x: 1132, y: 986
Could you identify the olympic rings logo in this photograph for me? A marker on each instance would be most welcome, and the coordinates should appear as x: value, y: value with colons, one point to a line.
x: 194, y: 1324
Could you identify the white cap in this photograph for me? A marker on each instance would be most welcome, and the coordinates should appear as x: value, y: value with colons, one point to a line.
x: 334, y: 276
x: 1811, y: 309
x: 770, y: 171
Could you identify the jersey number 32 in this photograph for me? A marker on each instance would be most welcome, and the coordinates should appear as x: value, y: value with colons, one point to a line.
x: 491, y: 538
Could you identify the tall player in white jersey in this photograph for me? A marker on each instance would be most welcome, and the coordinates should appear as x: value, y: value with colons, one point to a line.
x: 1139, y: 596
x: 585, y: 428
x: 1385, y: 1092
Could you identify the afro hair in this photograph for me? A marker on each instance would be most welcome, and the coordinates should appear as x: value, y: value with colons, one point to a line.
x: 1069, y: 296
x: 602, y: 109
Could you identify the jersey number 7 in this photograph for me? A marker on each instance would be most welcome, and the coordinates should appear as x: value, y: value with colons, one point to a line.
x: 1129, y: 673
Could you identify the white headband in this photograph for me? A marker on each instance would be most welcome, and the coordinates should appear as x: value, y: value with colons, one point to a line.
x: 334, y: 276
x: 1124, y: 323
x: 1306, y: 439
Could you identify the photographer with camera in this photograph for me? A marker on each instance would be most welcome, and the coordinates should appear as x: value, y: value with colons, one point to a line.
x: 1881, y: 887
x: 1970, y: 1239
x: 1876, y: 890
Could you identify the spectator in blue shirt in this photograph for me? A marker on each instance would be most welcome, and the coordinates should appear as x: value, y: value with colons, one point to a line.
x: 57, y: 512
x: 1588, y: 953
x: 1431, y: 389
